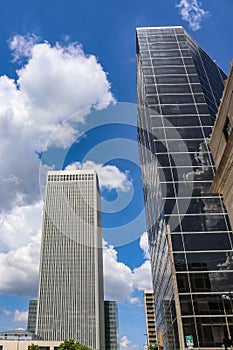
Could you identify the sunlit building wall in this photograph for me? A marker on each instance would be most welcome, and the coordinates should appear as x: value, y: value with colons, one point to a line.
x: 149, y: 305
x: 70, y: 298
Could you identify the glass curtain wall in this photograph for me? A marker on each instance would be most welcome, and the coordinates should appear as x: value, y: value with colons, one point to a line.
x: 179, y: 90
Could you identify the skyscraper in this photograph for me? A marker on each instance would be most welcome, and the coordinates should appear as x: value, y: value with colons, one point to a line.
x: 111, y: 325
x: 31, y: 327
x: 149, y: 304
x: 70, y: 298
x: 179, y: 90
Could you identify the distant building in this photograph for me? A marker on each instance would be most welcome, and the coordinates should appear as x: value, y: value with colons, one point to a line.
x: 111, y: 325
x: 31, y: 327
x: 16, y: 334
x: 23, y: 344
x: 149, y: 304
x: 70, y: 298
x: 221, y: 144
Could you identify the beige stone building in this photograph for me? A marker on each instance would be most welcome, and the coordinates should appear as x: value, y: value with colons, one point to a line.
x: 150, y: 317
x: 221, y: 144
x: 24, y: 344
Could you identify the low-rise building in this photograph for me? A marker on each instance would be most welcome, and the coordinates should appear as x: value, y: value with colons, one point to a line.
x: 22, y: 344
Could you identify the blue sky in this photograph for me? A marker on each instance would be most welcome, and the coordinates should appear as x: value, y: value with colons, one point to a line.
x: 58, y: 58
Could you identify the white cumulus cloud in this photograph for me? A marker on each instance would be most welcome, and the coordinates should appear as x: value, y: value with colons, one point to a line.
x: 21, y: 45
x: 192, y: 12
x: 121, y: 281
x: 142, y: 276
x: 53, y: 84
x: 20, y: 316
x: 144, y: 245
x: 118, y: 281
x: 110, y: 177
x: 19, y: 270
x: 6, y: 312
x: 126, y: 344
x: 21, y: 226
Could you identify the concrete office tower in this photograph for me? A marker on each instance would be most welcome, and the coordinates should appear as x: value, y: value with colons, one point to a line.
x: 70, y: 298
x: 182, y: 87
x: 111, y: 325
x: 31, y: 327
x: 149, y: 304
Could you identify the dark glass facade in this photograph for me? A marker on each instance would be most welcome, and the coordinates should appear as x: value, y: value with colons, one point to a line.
x: 179, y: 90
x: 111, y: 325
x: 32, y: 312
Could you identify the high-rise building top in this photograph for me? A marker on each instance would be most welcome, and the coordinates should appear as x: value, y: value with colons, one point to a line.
x: 70, y: 298
x: 179, y: 90
x: 149, y: 304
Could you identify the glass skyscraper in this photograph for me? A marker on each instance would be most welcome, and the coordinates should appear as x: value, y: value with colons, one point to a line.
x: 31, y: 327
x: 70, y: 298
x: 179, y: 90
x: 111, y: 325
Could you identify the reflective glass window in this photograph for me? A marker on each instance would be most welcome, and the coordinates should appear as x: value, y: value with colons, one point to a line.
x: 202, y: 223
x: 181, y: 37
x: 169, y: 70
x: 167, y: 190
x: 163, y: 46
x: 150, y: 89
x: 203, y: 109
x: 206, y: 121
x: 156, y: 121
x: 173, y: 89
x: 196, y: 88
x: 184, y: 133
x: 160, y: 146
x: 194, y: 79
x: 152, y: 100
x: 200, y: 205
x: 165, y: 174
x: 199, y: 98
x: 182, y: 279
x: 209, y: 261
x: 179, y: 99
x: 171, y: 79
x: 183, y: 45
x: 207, y: 241
x: 191, y: 177
x: 182, y: 121
x: 171, y: 53
x: 148, y: 71
x: 167, y: 62
x: 186, y: 189
x: 183, y: 145
x: 211, y: 282
x: 177, y: 244
x: 188, y: 61
x: 163, y: 159
x: 149, y: 80
x: 173, y: 109
x: 159, y: 133
x: 161, y: 38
